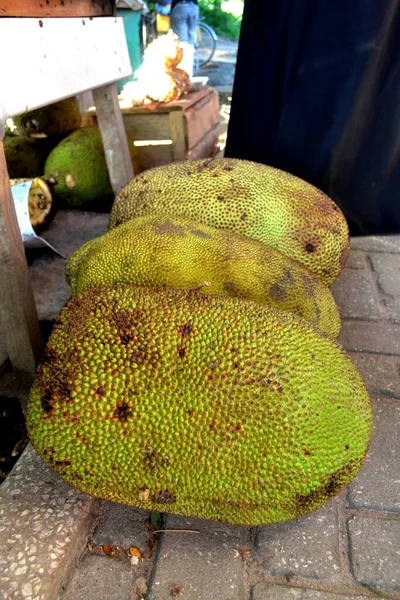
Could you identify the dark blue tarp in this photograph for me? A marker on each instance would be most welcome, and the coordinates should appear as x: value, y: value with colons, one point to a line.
x: 317, y: 93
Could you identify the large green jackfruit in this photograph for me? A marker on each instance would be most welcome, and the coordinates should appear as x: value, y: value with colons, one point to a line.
x: 182, y: 253
x: 179, y: 402
x: 78, y: 165
x: 249, y: 198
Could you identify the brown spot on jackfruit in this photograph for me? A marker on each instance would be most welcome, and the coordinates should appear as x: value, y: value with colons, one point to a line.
x: 344, y: 255
x: 122, y: 411
x: 332, y: 486
x: 229, y: 286
x: 163, y: 497
x: 49, y: 354
x: 186, y: 330
x: 125, y: 338
x: 310, y: 247
x: 277, y: 292
x: 62, y: 463
x: 201, y: 234
x: 169, y: 227
x: 47, y: 400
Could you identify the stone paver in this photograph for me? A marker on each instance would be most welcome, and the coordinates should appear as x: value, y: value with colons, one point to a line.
x: 69, y: 230
x: 102, y: 578
x: 306, y: 547
x: 370, y: 337
x: 375, y: 552
x: 376, y: 243
x: 387, y: 268
x: 44, y: 524
x: 393, y: 308
x: 121, y: 527
x: 377, y: 486
x: 357, y: 260
x: 277, y: 592
x: 381, y: 374
x: 355, y: 296
x: 199, y: 566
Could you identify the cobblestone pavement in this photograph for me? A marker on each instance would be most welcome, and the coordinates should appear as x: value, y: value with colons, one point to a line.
x: 58, y: 544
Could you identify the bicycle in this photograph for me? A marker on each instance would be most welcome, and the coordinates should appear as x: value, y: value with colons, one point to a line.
x: 206, y: 43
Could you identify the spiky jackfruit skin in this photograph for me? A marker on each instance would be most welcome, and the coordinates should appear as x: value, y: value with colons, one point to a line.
x: 249, y: 198
x: 179, y: 402
x: 78, y: 164
x: 177, y: 252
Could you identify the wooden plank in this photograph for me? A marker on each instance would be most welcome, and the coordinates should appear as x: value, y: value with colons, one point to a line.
x: 19, y: 320
x: 206, y: 147
x: 202, y: 116
x: 58, y: 58
x: 154, y: 156
x: 149, y: 126
x: 178, y: 135
x: 165, y: 107
x: 113, y: 134
x: 57, y: 8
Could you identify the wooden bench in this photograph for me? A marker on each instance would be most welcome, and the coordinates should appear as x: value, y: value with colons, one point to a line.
x: 42, y: 60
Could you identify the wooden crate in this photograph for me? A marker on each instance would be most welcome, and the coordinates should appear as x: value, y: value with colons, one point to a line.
x: 57, y: 8
x: 186, y: 128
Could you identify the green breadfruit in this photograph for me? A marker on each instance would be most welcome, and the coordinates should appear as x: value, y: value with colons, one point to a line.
x: 177, y: 252
x: 249, y: 198
x: 180, y: 402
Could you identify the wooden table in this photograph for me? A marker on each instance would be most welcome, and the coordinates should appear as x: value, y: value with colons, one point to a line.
x: 43, y: 60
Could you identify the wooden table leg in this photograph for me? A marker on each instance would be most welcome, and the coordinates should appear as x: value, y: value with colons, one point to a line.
x: 111, y: 124
x: 19, y: 320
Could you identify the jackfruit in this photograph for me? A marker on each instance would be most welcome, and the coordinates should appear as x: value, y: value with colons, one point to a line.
x: 41, y: 205
x: 217, y: 408
x: 25, y: 156
x: 58, y: 118
x: 249, y: 198
x: 78, y: 164
x: 178, y: 252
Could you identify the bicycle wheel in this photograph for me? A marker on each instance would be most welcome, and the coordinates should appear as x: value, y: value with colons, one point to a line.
x: 206, y: 42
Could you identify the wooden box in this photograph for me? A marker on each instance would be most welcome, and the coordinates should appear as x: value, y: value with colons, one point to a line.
x: 57, y: 8
x: 186, y: 128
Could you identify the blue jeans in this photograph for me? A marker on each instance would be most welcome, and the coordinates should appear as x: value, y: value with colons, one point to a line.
x: 184, y: 19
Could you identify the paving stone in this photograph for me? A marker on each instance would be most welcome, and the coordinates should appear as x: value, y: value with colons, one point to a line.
x: 99, y: 577
x: 47, y: 275
x: 361, y: 336
x: 263, y: 591
x: 44, y: 524
x: 377, y: 485
x: 200, y: 565
x: 67, y: 232
x: 3, y: 350
x: 355, y: 296
x: 122, y: 526
x: 306, y: 547
x: 393, y: 308
x: 357, y: 260
x: 387, y: 268
x: 376, y: 243
x: 375, y: 551
x: 381, y: 374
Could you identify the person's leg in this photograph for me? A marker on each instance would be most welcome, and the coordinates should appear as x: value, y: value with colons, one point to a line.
x: 179, y: 21
x: 192, y: 21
